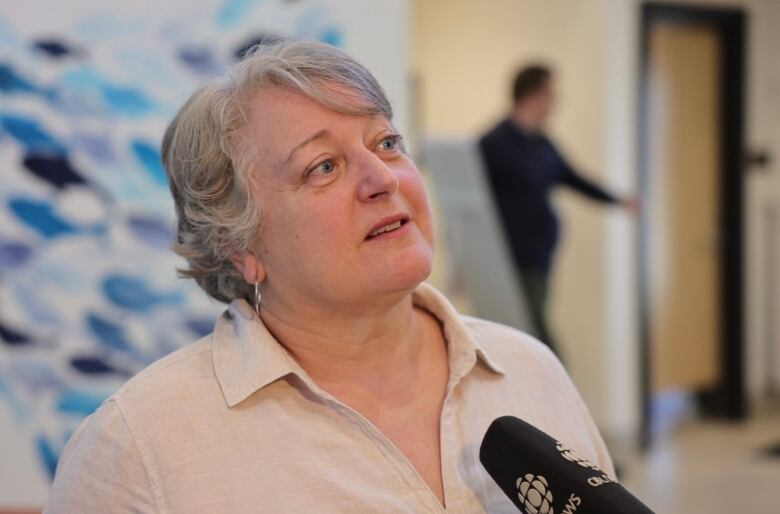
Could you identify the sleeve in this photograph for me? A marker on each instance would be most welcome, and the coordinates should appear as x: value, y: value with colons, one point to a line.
x: 101, y: 469
x: 582, y: 185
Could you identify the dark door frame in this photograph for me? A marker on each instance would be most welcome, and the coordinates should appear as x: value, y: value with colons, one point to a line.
x: 727, y: 399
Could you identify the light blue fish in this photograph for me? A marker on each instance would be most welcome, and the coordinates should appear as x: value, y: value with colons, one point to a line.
x: 35, y: 305
x: 14, y: 254
x: 135, y: 294
x: 19, y: 410
x: 149, y: 157
x: 332, y: 35
x: 233, y: 12
x: 97, y: 146
x: 9, y: 39
x: 125, y: 100
x: 151, y: 230
x: 78, y: 89
x: 79, y: 403
x: 47, y: 454
x: 35, y: 376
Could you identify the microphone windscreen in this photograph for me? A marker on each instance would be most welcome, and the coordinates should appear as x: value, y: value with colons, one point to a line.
x: 543, y: 476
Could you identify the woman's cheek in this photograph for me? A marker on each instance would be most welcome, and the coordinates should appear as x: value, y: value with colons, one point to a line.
x: 324, y: 225
x: 418, y: 195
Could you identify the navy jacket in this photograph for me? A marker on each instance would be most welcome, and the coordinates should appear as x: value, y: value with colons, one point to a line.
x: 523, y: 169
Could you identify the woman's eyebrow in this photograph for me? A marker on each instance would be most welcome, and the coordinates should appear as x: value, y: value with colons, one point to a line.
x: 318, y: 135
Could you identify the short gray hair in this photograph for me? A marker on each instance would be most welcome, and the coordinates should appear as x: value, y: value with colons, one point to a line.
x: 208, y: 162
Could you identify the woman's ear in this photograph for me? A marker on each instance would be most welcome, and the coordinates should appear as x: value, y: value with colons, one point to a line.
x: 249, y: 266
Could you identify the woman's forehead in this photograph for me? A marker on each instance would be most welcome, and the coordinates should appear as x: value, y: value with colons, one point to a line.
x: 281, y: 105
x: 282, y: 119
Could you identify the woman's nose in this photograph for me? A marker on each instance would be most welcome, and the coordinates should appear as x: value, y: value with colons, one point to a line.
x: 377, y: 179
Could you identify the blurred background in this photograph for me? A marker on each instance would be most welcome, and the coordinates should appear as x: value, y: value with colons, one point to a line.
x: 666, y: 316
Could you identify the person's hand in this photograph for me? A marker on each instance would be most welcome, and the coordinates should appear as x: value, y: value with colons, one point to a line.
x: 632, y: 204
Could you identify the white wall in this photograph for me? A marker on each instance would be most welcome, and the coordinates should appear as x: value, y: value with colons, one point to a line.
x: 465, y: 53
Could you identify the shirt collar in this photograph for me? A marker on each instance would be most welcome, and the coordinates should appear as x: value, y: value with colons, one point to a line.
x: 247, y: 357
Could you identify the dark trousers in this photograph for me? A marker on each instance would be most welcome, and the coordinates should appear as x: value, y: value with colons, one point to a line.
x: 535, y: 285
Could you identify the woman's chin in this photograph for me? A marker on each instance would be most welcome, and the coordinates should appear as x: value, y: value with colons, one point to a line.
x: 406, y: 273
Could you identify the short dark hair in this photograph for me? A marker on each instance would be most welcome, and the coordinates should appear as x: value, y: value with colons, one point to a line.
x: 529, y: 80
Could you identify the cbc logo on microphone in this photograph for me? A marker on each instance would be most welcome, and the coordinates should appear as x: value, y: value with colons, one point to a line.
x: 568, y: 454
x: 535, y: 495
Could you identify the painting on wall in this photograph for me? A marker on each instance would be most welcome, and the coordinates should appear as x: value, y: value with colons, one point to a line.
x: 88, y: 289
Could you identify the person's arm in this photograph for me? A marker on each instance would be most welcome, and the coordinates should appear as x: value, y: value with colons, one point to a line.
x: 101, y: 469
x: 582, y: 185
x: 588, y: 188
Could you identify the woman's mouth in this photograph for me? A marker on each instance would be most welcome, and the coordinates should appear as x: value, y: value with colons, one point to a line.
x: 388, y: 229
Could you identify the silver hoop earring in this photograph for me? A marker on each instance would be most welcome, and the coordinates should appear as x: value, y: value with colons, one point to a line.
x: 257, y: 298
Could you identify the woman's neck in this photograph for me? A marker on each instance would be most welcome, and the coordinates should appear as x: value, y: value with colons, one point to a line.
x: 367, y: 346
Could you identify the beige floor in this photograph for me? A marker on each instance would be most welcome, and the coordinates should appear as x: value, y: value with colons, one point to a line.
x: 711, y: 468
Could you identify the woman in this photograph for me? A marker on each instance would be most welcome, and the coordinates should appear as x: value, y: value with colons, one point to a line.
x: 336, y: 380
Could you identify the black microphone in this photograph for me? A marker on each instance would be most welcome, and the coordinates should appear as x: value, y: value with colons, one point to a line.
x: 542, y: 476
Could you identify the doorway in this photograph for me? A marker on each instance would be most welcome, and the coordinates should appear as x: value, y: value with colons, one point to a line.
x: 690, y: 234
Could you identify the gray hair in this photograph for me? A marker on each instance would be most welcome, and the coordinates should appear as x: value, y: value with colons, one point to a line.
x: 207, y: 159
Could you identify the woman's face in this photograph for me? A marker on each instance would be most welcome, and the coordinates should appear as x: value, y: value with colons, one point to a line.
x: 344, y: 211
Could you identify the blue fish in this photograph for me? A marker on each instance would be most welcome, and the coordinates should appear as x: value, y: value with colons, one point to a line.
x: 134, y: 293
x: 79, y: 87
x: 200, y: 326
x: 127, y: 100
x: 36, y: 376
x: 40, y: 216
x: 13, y: 337
x: 93, y: 366
x: 259, y: 39
x: 34, y: 303
x: 332, y: 36
x: 54, y: 48
x: 149, y: 157
x: 19, y: 410
x: 12, y: 82
x: 200, y: 60
x: 80, y: 403
x: 234, y: 11
x: 110, y: 334
x: 30, y: 134
x: 96, y: 146
x: 14, y: 254
x: 48, y: 456
x: 9, y: 39
x: 56, y: 170
x: 151, y: 230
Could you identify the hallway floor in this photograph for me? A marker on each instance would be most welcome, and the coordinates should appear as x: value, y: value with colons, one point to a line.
x: 706, y: 467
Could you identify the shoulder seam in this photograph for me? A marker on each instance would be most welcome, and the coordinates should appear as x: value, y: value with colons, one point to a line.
x: 141, y: 376
x: 159, y: 501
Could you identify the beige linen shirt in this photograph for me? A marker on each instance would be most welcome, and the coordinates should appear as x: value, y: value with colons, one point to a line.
x: 232, y: 424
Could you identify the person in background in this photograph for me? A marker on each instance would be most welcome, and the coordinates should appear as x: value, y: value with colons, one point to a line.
x: 523, y: 167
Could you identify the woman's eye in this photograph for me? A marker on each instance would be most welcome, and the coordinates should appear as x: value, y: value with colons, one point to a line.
x: 390, y: 143
x: 323, y: 168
